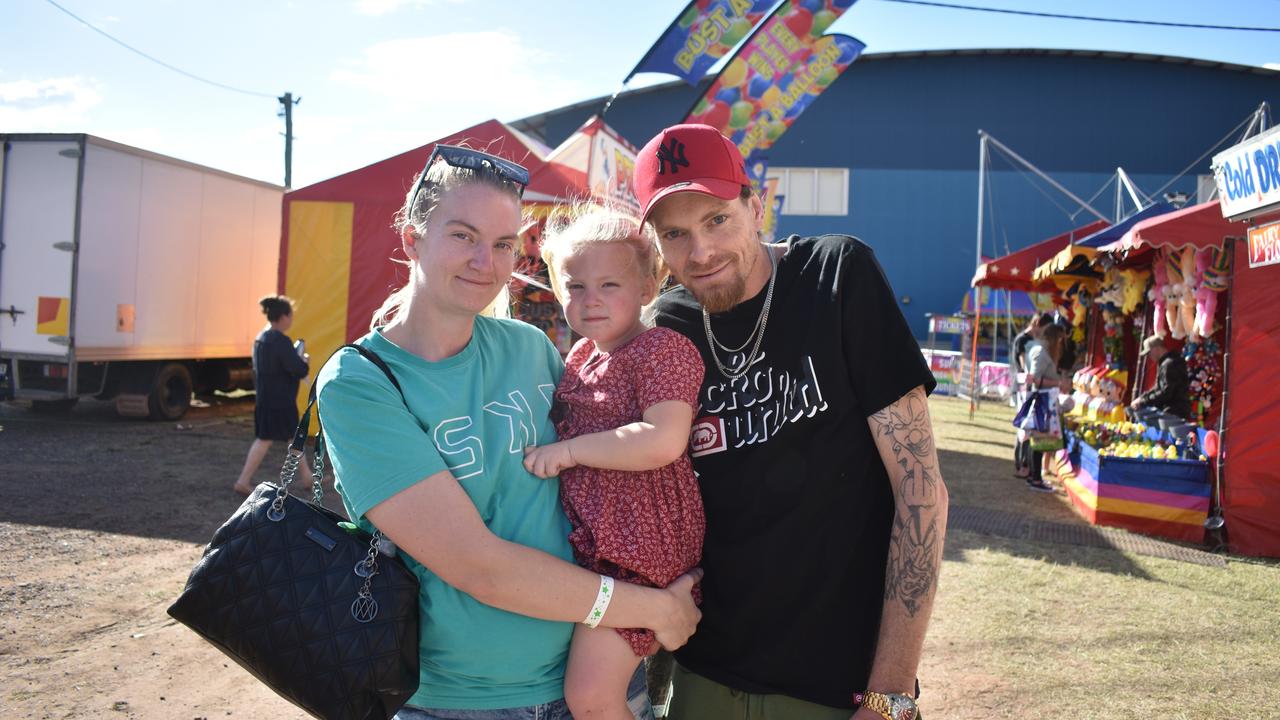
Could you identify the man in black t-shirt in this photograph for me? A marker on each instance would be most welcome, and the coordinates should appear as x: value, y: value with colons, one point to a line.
x: 814, y: 452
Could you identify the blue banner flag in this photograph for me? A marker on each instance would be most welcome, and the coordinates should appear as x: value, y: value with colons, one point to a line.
x: 704, y: 32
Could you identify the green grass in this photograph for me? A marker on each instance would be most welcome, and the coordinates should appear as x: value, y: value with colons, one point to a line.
x: 1023, y: 629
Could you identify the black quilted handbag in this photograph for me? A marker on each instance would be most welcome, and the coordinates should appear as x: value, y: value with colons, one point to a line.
x: 320, y: 611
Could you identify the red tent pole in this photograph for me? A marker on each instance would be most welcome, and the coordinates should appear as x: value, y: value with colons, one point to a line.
x: 973, y: 354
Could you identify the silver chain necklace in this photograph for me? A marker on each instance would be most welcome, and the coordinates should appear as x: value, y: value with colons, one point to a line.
x: 757, y: 333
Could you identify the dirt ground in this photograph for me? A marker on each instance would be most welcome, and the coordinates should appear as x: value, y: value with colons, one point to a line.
x: 104, y: 519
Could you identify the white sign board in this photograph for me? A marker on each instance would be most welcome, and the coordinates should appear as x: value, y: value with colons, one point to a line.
x: 1248, y: 175
x: 611, y: 168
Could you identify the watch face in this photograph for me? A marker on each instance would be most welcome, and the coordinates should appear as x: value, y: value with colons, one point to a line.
x: 902, y: 708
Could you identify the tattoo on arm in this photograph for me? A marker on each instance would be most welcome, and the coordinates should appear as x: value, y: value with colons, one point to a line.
x: 914, y: 542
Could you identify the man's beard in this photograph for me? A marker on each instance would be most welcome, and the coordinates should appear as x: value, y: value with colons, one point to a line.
x: 721, y: 298
x: 727, y: 294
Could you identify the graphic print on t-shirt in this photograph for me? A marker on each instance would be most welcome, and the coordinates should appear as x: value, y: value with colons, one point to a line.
x: 459, y: 442
x: 755, y: 407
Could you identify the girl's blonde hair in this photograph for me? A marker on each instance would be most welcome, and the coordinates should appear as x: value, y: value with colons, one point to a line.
x: 573, y: 228
x: 413, y: 216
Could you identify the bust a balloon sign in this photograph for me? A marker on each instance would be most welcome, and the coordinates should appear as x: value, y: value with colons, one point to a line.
x: 703, y: 33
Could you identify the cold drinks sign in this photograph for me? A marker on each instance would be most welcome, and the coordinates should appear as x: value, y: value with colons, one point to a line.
x: 1248, y: 175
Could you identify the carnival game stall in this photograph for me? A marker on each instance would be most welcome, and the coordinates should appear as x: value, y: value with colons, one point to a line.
x: 1167, y: 275
x: 1248, y: 180
x: 1001, y: 315
x: 1011, y: 274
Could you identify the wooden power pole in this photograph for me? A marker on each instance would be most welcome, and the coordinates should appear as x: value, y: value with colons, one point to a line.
x: 288, y: 101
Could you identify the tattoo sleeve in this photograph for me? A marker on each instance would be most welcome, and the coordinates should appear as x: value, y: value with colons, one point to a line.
x: 904, y: 436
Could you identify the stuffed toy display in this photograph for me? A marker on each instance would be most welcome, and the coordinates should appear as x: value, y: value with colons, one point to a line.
x: 1096, y: 396
x: 1135, y: 289
x: 1113, y: 386
x: 1213, y: 265
x: 1160, y: 276
x: 1173, y: 293
x: 1204, y: 368
x: 1187, y: 300
x: 1082, y: 382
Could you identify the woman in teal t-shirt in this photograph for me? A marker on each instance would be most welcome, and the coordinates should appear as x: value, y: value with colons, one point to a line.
x: 443, y: 476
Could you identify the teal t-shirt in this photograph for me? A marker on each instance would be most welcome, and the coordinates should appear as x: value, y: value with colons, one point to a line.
x: 472, y: 414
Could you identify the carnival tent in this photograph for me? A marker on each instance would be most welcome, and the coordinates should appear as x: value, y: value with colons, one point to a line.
x: 1251, y: 458
x: 1074, y: 261
x: 1013, y: 271
x: 1197, y: 226
x: 337, y: 239
x: 1251, y: 501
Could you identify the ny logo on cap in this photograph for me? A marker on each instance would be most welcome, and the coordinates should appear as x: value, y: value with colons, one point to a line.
x: 673, y: 154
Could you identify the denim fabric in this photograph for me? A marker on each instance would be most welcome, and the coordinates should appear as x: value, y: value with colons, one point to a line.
x: 637, y: 700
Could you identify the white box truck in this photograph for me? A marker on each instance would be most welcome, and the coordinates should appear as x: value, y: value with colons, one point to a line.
x: 128, y: 275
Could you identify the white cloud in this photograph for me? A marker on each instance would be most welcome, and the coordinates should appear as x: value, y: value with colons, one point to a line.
x: 1271, y: 66
x: 491, y: 72
x: 382, y: 7
x: 51, y: 104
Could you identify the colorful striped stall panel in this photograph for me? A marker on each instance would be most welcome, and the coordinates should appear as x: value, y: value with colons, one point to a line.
x: 1167, y: 498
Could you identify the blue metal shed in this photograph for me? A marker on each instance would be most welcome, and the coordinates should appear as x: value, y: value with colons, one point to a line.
x: 902, y: 130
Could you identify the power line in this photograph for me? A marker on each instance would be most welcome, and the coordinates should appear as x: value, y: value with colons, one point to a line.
x: 155, y: 60
x: 1060, y: 16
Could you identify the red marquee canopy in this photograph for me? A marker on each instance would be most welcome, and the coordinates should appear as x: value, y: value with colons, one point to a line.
x: 1013, y: 271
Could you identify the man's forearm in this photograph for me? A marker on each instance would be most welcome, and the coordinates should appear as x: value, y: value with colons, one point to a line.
x: 904, y: 437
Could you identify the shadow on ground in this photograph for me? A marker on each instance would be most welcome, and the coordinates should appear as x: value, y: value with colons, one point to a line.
x: 91, y: 470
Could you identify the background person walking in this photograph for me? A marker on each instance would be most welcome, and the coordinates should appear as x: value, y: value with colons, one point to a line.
x: 277, y: 370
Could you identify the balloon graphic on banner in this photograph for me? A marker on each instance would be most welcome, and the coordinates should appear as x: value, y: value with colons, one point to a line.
x: 777, y: 73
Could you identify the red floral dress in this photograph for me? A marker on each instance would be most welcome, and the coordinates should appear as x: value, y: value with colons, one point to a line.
x: 641, y: 527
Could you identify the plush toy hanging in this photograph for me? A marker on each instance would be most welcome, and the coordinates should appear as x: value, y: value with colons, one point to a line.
x: 1187, y: 300
x: 1173, y: 293
x: 1213, y: 266
x: 1161, y: 275
x: 1135, y: 288
x: 1113, y: 336
x: 1111, y: 295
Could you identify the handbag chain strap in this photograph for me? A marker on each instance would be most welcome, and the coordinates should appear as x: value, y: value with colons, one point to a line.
x: 365, y: 607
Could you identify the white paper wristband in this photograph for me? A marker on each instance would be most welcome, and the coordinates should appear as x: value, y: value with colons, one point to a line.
x: 602, y: 602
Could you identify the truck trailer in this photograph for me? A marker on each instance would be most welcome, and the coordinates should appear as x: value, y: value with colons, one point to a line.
x: 128, y: 275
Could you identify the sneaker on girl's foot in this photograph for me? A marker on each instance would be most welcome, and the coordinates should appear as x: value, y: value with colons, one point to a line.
x: 1040, y: 486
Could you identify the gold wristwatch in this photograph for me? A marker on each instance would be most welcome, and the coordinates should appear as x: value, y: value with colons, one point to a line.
x: 891, y: 706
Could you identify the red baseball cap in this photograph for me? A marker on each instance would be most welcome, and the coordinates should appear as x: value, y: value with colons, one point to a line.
x: 688, y: 158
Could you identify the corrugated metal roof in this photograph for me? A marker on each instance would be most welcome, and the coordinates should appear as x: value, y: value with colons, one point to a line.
x: 534, y: 122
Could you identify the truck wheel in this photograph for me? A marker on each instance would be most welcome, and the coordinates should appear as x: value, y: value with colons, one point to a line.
x: 53, y: 407
x: 170, y: 394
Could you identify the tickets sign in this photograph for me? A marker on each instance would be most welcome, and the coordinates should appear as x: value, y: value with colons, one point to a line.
x: 1264, y: 245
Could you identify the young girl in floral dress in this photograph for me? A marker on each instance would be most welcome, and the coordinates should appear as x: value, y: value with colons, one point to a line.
x: 623, y: 410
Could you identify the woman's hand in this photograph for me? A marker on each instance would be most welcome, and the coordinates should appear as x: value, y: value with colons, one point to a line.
x: 548, y: 460
x: 682, y: 616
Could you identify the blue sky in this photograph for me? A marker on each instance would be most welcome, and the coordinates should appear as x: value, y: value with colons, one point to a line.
x: 378, y: 77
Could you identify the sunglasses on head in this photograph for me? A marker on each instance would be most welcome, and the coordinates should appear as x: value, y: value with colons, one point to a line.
x: 468, y: 159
